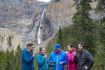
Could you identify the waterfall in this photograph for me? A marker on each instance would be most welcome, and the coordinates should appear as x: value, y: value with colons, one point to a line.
x: 40, y: 34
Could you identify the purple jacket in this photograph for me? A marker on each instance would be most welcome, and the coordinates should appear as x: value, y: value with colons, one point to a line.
x: 71, y: 62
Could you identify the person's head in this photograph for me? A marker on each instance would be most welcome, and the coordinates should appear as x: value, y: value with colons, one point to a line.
x: 42, y: 50
x: 30, y: 47
x: 71, y: 48
x: 57, y: 48
x: 81, y: 46
x: 68, y: 48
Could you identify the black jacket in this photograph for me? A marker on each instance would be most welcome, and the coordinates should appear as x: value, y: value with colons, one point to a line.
x: 85, y: 59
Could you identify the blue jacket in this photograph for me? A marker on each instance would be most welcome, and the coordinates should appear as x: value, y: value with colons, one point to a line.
x: 42, y: 62
x: 27, y: 60
x: 56, y: 59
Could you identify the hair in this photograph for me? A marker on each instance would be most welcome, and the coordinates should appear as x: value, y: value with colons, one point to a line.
x: 29, y: 44
x: 83, y: 44
x: 72, y: 46
x: 40, y: 49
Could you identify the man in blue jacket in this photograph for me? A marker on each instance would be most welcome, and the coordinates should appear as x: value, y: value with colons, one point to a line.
x: 28, y: 57
x: 57, y: 58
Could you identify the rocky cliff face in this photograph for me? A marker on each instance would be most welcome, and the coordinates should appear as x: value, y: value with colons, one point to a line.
x: 9, y: 39
x: 20, y: 20
x: 60, y: 13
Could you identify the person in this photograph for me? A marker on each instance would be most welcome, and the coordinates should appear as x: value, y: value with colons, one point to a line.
x: 71, y: 58
x: 85, y: 59
x: 57, y: 58
x: 42, y: 59
x: 28, y: 57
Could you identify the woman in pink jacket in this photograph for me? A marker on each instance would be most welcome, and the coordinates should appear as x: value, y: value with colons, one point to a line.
x: 71, y: 59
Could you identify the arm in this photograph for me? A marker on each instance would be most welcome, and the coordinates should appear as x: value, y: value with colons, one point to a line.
x: 76, y: 59
x: 51, y: 62
x: 50, y: 59
x: 40, y: 60
x: 64, y: 59
x: 27, y: 58
x: 90, y: 60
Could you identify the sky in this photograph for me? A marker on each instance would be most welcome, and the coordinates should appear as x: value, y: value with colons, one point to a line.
x: 45, y: 0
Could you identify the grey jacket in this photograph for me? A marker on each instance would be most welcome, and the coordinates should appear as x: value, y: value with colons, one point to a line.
x: 85, y: 59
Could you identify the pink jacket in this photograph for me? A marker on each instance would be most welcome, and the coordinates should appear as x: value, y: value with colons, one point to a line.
x: 71, y: 62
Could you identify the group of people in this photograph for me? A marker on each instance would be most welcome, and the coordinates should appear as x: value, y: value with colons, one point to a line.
x: 80, y: 59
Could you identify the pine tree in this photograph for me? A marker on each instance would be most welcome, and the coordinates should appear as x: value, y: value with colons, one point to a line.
x: 7, y: 61
x: 11, y: 60
x: 18, y: 62
x: 61, y: 38
x: 2, y: 59
x: 83, y: 26
x: 100, y: 53
x: 100, y: 46
x: 101, y: 5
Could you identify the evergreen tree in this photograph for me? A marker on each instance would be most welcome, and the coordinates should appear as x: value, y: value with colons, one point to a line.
x: 11, y: 60
x: 2, y: 60
x: 101, y: 46
x: 61, y: 38
x: 101, y: 5
x: 83, y: 27
x: 7, y: 61
x: 18, y: 62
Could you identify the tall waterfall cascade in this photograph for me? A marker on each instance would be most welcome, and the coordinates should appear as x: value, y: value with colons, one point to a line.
x: 40, y: 29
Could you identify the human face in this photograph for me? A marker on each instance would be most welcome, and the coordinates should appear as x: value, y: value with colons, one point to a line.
x: 57, y: 50
x: 30, y: 48
x: 69, y: 48
x: 80, y: 48
x: 43, y: 51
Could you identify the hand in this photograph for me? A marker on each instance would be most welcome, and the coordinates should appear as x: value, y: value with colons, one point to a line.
x: 86, y: 67
x: 66, y: 51
x: 45, y: 56
x: 61, y: 62
x: 52, y: 63
x: 34, y: 53
x: 75, y: 54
